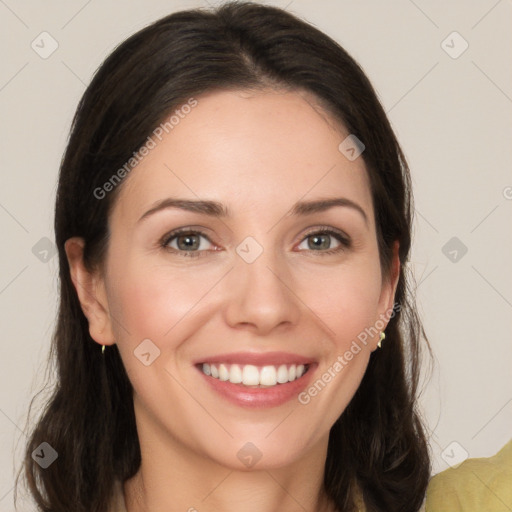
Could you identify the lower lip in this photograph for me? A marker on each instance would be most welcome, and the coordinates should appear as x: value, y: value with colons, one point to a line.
x: 253, y: 397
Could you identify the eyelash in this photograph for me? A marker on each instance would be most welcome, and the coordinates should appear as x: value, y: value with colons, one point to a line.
x: 345, y: 242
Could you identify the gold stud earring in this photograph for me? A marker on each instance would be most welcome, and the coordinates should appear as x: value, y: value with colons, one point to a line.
x: 382, y: 338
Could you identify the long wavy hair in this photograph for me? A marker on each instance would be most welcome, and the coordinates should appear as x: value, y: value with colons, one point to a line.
x: 378, y: 444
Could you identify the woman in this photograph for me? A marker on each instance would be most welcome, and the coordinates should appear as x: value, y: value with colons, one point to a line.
x: 235, y: 330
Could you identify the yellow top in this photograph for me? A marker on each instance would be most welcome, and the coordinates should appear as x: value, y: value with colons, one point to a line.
x: 477, y: 485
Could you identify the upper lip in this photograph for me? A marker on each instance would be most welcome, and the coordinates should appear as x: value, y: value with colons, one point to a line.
x: 257, y: 358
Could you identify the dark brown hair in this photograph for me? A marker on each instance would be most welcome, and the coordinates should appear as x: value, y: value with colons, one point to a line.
x: 378, y: 444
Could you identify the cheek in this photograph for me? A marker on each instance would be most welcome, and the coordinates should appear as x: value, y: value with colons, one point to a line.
x: 346, y: 298
x: 150, y: 301
x: 156, y: 303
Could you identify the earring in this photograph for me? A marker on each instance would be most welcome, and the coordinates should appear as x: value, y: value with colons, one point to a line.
x: 382, y: 338
x: 102, y: 349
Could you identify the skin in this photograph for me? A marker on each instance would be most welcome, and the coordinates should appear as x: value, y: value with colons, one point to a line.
x: 258, y: 153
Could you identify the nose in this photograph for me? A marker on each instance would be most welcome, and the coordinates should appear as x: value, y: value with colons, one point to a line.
x: 261, y: 296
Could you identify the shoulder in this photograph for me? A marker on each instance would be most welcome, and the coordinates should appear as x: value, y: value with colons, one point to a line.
x: 360, y: 506
x: 475, y: 485
x: 117, y: 504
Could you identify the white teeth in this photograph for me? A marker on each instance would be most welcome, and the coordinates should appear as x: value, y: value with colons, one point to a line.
x: 250, y: 375
x: 223, y: 372
x: 268, y: 376
x: 235, y: 374
x: 282, y: 374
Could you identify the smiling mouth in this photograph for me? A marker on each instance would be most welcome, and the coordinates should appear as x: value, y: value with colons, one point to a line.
x: 254, y: 376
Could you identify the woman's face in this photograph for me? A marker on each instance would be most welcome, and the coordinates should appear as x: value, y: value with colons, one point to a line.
x: 264, y: 284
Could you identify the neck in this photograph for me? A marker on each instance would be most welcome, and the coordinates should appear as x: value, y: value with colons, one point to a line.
x: 255, y: 492
x: 174, y: 477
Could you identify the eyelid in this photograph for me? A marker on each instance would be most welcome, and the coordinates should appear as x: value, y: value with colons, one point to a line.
x: 182, y: 231
x: 326, y: 230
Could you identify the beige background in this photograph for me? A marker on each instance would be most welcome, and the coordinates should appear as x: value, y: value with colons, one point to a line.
x: 452, y: 116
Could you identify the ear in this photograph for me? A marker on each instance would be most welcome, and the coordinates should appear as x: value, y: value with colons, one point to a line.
x: 389, y: 284
x: 91, y: 292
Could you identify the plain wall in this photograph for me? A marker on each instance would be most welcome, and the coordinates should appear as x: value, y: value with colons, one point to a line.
x: 452, y: 114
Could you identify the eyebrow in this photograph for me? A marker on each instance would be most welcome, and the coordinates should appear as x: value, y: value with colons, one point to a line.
x: 216, y: 209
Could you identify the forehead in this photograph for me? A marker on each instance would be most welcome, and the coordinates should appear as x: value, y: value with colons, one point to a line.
x: 247, y: 148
